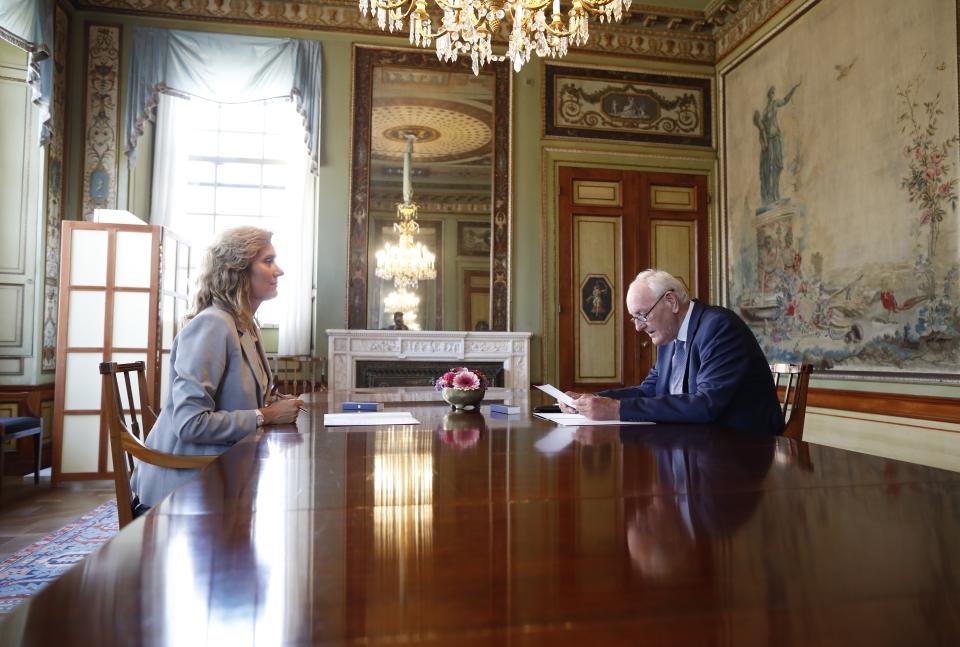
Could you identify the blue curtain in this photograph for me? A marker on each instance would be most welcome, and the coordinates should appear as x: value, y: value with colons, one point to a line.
x: 225, y: 68
x: 28, y: 24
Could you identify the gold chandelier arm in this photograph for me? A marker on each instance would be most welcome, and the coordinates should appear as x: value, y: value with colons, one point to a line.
x: 595, y: 8
x: 537, y: 5
x: 390, y: 6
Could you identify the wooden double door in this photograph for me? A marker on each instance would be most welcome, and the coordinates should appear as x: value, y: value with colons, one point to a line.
x: 612, y: 225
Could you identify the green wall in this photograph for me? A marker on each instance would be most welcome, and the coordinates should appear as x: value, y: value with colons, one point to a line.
x: 535, y: 160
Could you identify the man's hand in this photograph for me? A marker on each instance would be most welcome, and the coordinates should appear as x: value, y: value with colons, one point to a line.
x: 566, y: 409
x: 597, y: 408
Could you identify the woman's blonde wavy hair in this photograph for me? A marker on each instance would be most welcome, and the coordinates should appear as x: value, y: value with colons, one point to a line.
x: 224, y: 276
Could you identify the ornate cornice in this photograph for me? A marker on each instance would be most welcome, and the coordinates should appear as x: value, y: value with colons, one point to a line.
x: 738, y: 19
x: 653, y: 32
x: 648, y: 30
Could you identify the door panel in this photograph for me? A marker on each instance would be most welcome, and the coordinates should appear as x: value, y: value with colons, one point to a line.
x: 597, y: 273
x: 612, y: 225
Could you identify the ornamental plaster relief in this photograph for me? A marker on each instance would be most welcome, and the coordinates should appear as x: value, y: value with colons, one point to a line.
x: 659, y: 33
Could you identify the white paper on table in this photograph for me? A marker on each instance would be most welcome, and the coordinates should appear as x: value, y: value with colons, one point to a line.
x: 557, y: 394
x: 580, y: 420
x: 369, y: 419
x: 557, y: 440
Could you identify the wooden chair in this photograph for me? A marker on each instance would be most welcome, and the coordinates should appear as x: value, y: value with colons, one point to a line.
x: 22, y: 426
x: 794, y: 380
x: 124, y: 428
x: 296, y: 374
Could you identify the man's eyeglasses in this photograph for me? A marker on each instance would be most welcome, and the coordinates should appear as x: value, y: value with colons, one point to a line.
x: 641, y: 317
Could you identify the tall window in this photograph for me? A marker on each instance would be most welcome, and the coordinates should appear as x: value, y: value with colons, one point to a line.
x: 238, y: 171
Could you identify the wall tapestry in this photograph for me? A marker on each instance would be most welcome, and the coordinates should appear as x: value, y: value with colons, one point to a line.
x: 840, y: 172
x: 629, y: 106
x: 102, y: 119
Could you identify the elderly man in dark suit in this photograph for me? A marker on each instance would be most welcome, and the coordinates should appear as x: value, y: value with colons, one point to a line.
x: 710, y: 368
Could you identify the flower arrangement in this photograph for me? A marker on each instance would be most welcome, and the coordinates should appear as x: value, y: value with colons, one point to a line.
x: 462, y: 379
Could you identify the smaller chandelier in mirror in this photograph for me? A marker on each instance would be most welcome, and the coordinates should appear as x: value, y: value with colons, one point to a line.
x: 406, y: 303
x: 408, y: 262
x: 467, y: 26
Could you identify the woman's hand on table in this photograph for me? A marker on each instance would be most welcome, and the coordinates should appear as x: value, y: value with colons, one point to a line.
x: 282, y: 410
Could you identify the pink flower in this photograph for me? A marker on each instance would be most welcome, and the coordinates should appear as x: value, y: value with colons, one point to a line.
x: 466, y: 381
x: 461, y: 438
x: 945, y: 188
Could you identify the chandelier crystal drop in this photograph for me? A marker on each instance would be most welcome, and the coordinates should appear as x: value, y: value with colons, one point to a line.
x: 408, y: 262
x: 467, y: 27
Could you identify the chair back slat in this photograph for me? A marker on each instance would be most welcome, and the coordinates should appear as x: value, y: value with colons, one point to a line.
x: 125, y: 445
x: 131, y: 404
x: 794, y: 379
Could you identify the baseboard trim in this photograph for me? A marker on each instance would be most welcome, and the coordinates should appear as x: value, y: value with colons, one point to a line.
x: 887, y: 404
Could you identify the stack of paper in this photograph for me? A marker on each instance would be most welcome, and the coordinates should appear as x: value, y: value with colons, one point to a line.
x: 369, y: 419
x: 578, y: 420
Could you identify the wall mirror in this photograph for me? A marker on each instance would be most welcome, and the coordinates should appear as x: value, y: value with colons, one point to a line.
x: 459, y: 127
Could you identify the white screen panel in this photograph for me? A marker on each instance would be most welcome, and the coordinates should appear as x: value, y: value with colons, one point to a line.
x: 133, y: 259
x: 88, y: 257
x: 82, y: 389
x: 167, y: 314
x: 81, y: 443
x: 131, y: 319
x: 85, y: 328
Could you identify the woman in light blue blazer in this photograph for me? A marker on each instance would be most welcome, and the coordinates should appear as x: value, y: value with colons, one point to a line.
x: 219, y: 376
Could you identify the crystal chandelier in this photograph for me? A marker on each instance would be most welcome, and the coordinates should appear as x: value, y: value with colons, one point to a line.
x: 408, y: 262
x: 406, y: 302
x: 468, y: 26
x: 401, y: 301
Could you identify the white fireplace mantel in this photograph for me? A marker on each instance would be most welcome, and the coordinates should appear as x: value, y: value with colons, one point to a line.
x: 458, y: 347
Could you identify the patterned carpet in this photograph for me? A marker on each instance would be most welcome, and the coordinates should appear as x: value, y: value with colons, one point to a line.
x: 30, y: 569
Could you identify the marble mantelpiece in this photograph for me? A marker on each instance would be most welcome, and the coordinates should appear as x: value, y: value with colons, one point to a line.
x: 347, y: 347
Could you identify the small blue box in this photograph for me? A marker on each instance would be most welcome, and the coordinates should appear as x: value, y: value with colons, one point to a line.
x: 363, y: 406
x: 505, y: 408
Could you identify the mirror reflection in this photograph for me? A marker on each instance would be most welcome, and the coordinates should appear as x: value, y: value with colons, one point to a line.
x: 429, y: 254
x: 456, y: 126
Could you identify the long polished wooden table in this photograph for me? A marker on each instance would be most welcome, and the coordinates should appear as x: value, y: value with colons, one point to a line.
x: 489, y: 529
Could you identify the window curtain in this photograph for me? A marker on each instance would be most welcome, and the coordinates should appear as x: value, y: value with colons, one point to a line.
x: 169, y: 162
x: 295, y: 243
x: 28, y: 24
x: 225, y: 68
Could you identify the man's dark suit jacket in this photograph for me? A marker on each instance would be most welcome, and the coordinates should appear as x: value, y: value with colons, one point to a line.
x: 728, y: 379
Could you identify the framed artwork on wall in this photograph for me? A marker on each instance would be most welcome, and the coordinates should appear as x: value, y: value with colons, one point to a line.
x: 473, y: 238
x: 839, y: 172
x: 627, y: 106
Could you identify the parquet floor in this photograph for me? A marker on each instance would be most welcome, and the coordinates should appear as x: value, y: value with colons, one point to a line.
x: 29, y: 512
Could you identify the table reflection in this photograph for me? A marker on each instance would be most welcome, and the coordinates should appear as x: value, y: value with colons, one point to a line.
x: 705, y: 487
x: 403, y: 498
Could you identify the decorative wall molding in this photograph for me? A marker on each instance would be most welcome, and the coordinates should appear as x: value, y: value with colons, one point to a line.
x: 346, y: 347
x: 742, y: 21
x: 654, y: 32
x: 445, y: 204
x: 55, y: 191
x: 102, y: 115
